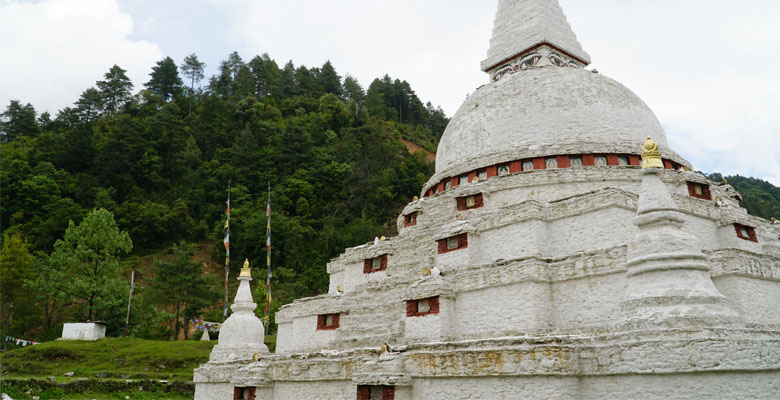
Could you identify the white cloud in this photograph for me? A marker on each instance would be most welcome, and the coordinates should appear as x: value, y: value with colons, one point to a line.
x: 55, y: 49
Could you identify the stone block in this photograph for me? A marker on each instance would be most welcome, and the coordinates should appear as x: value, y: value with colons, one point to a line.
x: 83, y: 331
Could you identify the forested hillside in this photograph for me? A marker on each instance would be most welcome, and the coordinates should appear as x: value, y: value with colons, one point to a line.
x: 759, y: 197
x: 142, y: 174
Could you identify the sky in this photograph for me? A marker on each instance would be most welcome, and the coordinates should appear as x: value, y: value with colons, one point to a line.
x: 707, y: 68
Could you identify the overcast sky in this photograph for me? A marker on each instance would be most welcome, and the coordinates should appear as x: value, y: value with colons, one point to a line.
x: 707, y: 68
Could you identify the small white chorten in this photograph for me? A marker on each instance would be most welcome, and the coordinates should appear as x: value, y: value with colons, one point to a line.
x: 242, y: 334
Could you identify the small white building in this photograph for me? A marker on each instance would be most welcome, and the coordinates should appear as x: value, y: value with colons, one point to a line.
x: 83, y: 331
x: 541, y: 262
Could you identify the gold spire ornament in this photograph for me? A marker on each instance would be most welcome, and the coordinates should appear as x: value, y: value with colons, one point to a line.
x: 651, y: 157
x: 245, y: 271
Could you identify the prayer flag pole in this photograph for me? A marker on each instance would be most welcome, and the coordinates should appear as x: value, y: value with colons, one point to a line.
x: 227, y: 251
x: 266, y: 318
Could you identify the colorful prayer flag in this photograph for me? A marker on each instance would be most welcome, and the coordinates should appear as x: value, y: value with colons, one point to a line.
x: 227, y: 251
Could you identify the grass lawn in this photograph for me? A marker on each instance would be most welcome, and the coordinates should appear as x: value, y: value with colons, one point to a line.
x: 106, y: 360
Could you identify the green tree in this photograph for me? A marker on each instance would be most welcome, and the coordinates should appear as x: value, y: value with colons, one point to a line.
x: 329, y: 80
x: 87, y: 261
x: 165, y: 81
x: 15, y: 263
x: 268, y: 76
x: 44, y: 290
x: 17, y: 120
x: 180, y: 287
x: 306, y: 82
x: 352, y: 90
x: 192, y: 69
x: 289, y: 87
x: 115, y: 90
x: 89, y: 105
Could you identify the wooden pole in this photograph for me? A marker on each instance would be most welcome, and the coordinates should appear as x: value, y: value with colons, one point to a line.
x: 130, y: 299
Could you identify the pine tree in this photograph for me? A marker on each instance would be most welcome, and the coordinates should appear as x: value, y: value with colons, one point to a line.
x: 165, y: 81
x: 179, y: 285
x: 89, y: 105
x: 329, y: 80
x: 17, y: 120
x: 267, y: 76
x: 87, y: 260
x: 115, y: 90
x: 192, y: 69
x: 15, y: 263
x: 289, y: 87
x: 352, y: 90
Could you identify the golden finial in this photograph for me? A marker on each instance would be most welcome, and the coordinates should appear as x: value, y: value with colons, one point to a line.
x: 255, y: 357
x: 382, y: 239
x: 415, y: 198
x: 725, y: 181
x: 651, y: 157
x: 426, y: 271
x: 245, y: 270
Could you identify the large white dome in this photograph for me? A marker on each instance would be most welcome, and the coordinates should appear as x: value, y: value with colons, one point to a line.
x: 544, y: 111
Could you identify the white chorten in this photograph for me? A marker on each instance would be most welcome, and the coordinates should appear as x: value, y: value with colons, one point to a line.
x: 542, y: 261
x: 241, y: 341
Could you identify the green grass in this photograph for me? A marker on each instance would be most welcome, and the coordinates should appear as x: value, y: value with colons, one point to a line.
x: 61, y: 394
x: 111, y: 358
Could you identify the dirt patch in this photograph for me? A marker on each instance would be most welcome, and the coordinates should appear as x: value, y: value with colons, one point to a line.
x: 412, y: 147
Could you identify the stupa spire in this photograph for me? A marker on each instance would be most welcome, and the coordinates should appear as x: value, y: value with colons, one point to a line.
x: 521, y: 26
x: 668, y: 280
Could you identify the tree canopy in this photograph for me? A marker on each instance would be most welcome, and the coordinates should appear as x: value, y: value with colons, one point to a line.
x: 87, y: 262
x: 165, y: 81
x: 115, y: 90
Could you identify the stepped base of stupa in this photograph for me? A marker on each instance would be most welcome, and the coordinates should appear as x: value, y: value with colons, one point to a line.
x: 644, y: 364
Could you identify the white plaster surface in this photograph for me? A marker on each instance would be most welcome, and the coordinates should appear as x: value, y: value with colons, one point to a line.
x: 522, y: 24
x: 756, y: 300
x: 325, y: 390
x: 503, y: 310
x: 546, y: 111
x: 763, y: 386
x: 497, y: 388
x: 83, y: 331
x: 431, y: 327
x: 305, y: 336
x: 214, y: 391
x: 573, y: 310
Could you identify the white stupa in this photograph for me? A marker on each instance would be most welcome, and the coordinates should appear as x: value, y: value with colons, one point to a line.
x: 241, y: 340
x: 561, y: 250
